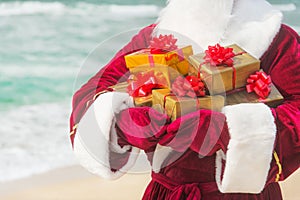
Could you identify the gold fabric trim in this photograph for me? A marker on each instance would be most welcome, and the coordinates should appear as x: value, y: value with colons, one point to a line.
x: 95, y: 97
x: 99, y: 93
x: 279, y: 166
x: 73, y: 129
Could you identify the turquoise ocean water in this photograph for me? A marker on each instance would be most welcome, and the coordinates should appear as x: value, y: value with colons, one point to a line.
x: 42, y: 46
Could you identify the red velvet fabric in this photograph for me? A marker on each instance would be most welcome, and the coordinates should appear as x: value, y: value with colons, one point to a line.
x: 282, y: 62
x: 190, y: 175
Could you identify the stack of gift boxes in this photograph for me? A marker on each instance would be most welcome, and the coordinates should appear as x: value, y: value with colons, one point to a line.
x: 174, y: 81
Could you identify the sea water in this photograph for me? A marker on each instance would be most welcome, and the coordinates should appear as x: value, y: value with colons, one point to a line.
x: 42, y: 46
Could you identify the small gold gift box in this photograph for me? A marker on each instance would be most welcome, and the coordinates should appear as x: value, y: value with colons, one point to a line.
x: 159, y: 74
x: 219, y: 79
x: 176, y: 59
x: 174, y: 107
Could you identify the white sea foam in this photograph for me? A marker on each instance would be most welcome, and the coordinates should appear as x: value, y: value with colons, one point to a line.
x: 80, y: 8
x: 30, y: 7
x: 34, y: 139
x: 285, y: 7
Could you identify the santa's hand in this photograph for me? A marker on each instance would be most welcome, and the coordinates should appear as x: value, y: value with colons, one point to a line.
x: 243, y: 136
x: 141, y: 127
x: 204, y: 131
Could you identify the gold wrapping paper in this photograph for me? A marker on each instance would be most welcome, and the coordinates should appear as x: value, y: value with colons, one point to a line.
x: 273, y: 100
x: 143, y: 101
x: 171, y: 59
x: 138, y: 101
x: 220, y: 79
x: 175, y: 107
x: 161, y: 72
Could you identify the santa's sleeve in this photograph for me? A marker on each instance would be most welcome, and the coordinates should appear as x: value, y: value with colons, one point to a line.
x: 286, y: 75
x: 114, y: 72
x: 92, y: 122
x: 264, y: 144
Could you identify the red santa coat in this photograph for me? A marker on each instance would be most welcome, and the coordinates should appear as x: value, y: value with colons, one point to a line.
x: 192, y: 177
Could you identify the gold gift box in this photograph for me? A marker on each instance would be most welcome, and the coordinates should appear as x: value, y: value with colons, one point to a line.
x: 173, y: 59
x: 138, y: 101
x: 220, y: 79
x: 273, y: 100
x: 175, y: 106
x: 143, y: 101
x: 161, y: 72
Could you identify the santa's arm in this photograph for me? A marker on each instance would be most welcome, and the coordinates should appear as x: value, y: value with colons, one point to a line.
x: 255, y: 145
x: 109, y: 75
x: 285, y: 73
x: 264, y: 145
x: 92, y: 123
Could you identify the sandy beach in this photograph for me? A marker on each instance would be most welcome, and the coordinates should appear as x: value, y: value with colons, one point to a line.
x: 74, y: 183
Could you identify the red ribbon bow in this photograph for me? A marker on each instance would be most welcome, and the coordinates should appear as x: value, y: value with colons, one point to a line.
x: 189, y: 86
x: 163, y: 44
x: 218, y: 55
x: 260, y: 84
x: 142, y: 84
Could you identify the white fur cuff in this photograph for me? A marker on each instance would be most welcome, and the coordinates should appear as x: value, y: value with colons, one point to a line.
x: 252, y: 131
x: 96, y: 136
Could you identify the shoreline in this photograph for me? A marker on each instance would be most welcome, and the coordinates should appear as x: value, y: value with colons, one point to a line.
x: 75, y: 183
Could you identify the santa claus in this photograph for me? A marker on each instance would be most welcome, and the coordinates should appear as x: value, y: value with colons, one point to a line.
x: 239, y: 153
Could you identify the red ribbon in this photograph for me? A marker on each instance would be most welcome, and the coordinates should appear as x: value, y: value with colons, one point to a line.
x: 165, y: 100
x: 163, y: 44
x: 189, y: 86
x: 218, y: 55
x: 151, y: 60
x: 142, y: 83
x: 260, y: 84
x: 233, y: 77
x: 221, y: 56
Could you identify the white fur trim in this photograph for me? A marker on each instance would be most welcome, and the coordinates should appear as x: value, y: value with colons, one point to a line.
x: 252, y: 131
x: 250, y: 24
x: 101, y: 168
x: 96, y: 136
